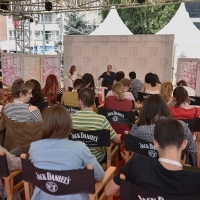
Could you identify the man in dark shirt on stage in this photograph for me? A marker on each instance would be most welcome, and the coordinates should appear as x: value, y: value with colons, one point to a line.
x: 108, y: 77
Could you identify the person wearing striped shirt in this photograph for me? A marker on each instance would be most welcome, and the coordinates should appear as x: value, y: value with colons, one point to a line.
x: 20, y: 110
x: 86, y: 119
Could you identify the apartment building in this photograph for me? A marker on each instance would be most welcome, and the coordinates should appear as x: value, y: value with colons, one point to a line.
x: 53, y: 30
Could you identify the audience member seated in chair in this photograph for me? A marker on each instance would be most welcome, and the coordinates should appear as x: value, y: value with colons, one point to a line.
x: 150, y: 86
x: 166, y: 91
x: 37, y: 98
x: 56, y: 152
x: 153, y: 110
x: 71, y: 98
x: 127, y: 95
x: 182, y: 109
x: 86, y: 119
x: 136, y: 85
x: 20, y: 110
x: 51, y: 90
x: 13, y: 163
x: 190, y: 91
x: 89, y: 81
x: 118, y: 102
x: 165, y: 175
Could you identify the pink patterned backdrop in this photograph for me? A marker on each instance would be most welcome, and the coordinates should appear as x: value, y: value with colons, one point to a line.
x: 29, y: 67
x: 187, y: 70
x: 11, y: 67
x: 50, y: 65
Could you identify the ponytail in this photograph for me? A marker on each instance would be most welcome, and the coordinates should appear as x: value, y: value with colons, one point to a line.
x: 120, y: 96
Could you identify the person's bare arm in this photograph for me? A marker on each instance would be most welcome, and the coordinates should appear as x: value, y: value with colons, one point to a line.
x: 143, y: 88
x: 116, y: 139
x: 137, y: 106
x: 111, y: 188
x: 79, y: 75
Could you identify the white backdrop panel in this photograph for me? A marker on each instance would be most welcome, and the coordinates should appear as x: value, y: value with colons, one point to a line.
x: 32, y: 67
x: 139, y: 53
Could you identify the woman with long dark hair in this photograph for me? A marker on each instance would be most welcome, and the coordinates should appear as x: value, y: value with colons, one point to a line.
x: 37, y: 98
x: 182, y: 109
x: 89, y: 80
x: 151, y: 86
x: 154, y: 109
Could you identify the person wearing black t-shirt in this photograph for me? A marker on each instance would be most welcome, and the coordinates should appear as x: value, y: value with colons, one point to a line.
x: 108, y: 77
x: 165, y: 175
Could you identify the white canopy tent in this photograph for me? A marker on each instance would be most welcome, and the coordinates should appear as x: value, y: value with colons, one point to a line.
x: 186, y: 33
x: 8, y: 45
x: 112, y: 25
x: 186, y: 37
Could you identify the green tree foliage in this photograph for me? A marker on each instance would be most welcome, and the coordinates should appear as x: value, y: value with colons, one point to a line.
x: 146, y: 20
x: 75, y: 25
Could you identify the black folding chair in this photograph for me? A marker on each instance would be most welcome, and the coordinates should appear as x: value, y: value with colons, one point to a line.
x: 194, y: 100
x: 193, y: 124
x: 143, y: 96
x: 96, y: 138
x: 72, y: 109
x: 129, y: 191
x: 142, y: 147
x: 139, y: 146
x: 65, y: 182
x: 118, y: 117
x: 10, y: 185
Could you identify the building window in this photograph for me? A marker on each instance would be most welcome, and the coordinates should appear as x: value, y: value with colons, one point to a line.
x: 48, y: 35
x: 47, y: 18
x: 11, y: 35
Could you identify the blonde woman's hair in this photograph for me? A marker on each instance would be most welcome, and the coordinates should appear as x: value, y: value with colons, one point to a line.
x: 118, y: 88
x: 166, y: 91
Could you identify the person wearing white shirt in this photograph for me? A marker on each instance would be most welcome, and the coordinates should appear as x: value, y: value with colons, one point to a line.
x: 128, y: 95
x: 73, y: 74
x: 191, y: 91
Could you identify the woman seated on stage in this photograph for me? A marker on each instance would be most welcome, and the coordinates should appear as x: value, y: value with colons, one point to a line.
x: 182, y: 109
x: 118, y: 102
x: 56, y: 152
x: 20, y: 110
x: 154, y: 109
x: 151, y: 86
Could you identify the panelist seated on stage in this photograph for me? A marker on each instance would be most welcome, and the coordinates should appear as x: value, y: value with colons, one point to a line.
x: 165, y: 175
x: 108, y: 77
